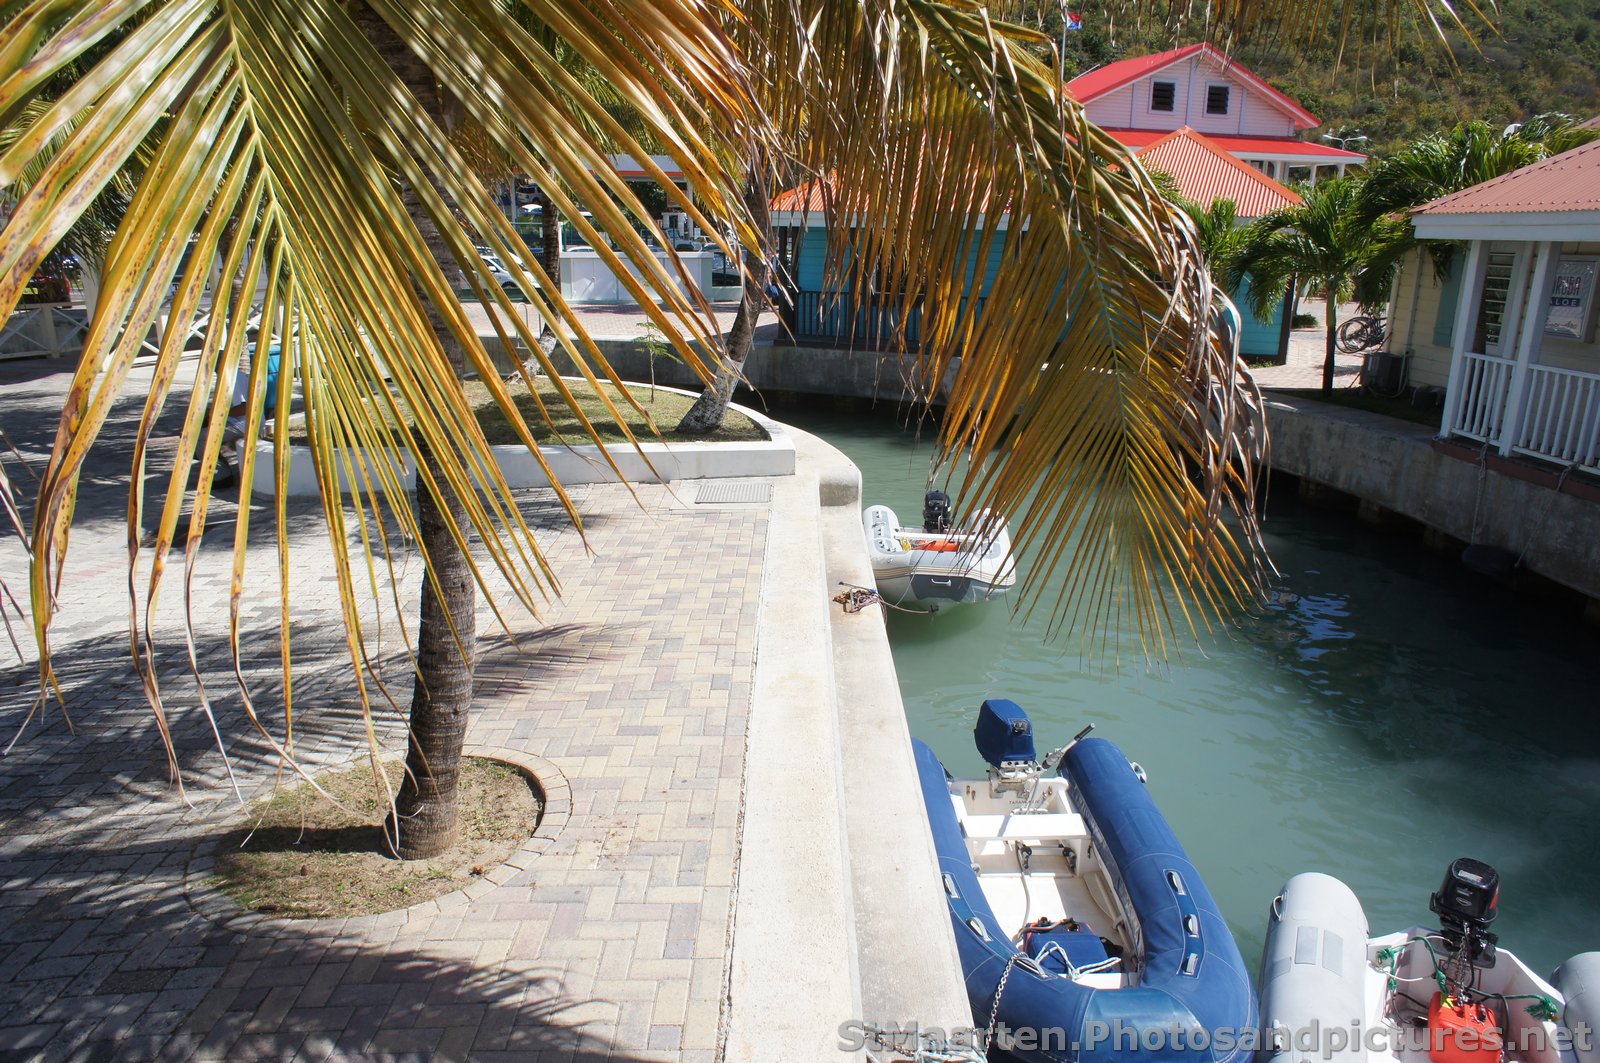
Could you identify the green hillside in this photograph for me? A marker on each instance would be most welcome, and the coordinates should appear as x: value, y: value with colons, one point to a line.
x: 1546, y: 57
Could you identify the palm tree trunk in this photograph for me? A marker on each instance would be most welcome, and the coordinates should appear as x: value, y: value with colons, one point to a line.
x: 424, y: 824
x: 550, y: 258
x: 426, y: 805
x: 1332, y: 346
x: 711, y: 408
x: 549, y: 238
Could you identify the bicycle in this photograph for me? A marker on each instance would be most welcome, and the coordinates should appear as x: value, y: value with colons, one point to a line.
x: 1362, y: 334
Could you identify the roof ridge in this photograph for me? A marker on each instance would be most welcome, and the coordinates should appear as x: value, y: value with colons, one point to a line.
x: 1096, y: 83
x: 1229, y: 160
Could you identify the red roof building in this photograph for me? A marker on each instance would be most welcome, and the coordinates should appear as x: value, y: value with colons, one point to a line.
x: 1204, y: 171
x: 1140, y: 100
x: 1510, y: 330
x: 1560, y: 196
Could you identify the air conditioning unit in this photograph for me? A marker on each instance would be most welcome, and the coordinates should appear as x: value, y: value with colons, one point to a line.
x: 1383, y: 371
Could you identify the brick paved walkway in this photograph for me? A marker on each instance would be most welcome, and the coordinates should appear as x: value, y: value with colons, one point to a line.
x: 1307, y: 348
x: 609, y: 942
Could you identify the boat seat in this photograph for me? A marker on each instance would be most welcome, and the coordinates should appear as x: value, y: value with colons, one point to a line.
x: 1027, y: 827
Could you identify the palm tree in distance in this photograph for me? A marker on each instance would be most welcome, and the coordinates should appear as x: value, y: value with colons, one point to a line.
x: 1470, y: 154
x: 1323, y: 243
x: 1217, y: 228
x: 317, y: 150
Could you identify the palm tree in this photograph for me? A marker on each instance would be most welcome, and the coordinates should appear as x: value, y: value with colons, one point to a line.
x: 1217, y: 228
x: 1324, y: 243
x: 1471, y: 153
x: 318, y: 149
x: 353, y: 223
x: 710, y: 410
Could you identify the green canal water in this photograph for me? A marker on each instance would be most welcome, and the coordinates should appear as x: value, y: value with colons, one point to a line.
x: 1390, y: 713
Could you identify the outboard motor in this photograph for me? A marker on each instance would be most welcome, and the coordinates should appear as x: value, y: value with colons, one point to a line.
x: 1466, y: 904
x: 1004, y: 737
x: 936, y: 512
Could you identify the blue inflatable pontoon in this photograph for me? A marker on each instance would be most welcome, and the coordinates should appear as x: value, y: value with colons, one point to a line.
x: 1073, y: 903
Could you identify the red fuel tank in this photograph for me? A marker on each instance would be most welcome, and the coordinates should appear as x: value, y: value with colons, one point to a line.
x: 1459, y: 1032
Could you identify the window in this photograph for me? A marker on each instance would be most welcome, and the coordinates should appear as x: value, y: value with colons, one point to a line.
x: 1492, y: 309
x: 1217, y: 99
x: 1163, y: 95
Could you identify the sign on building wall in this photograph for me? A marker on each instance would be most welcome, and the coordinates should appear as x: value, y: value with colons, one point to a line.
x: 1571, y: 299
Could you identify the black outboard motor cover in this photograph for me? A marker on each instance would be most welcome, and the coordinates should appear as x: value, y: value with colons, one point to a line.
x: 936, y: 512
x: 1004, y: 734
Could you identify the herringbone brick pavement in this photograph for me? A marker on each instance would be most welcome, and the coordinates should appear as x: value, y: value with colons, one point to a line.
x: 606, y: 937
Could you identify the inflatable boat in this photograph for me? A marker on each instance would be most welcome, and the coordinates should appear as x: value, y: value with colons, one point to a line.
x: 1425, y: 995
x: 938, y: 564
x: 1085, y: 933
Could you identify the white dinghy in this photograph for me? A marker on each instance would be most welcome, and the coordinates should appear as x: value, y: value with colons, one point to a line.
x: 938, y: 564
x: 1447, y: 995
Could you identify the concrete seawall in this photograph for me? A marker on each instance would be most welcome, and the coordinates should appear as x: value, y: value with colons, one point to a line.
x: 1381, y: 461
x: 776, y: 368
x: 1398, y: 466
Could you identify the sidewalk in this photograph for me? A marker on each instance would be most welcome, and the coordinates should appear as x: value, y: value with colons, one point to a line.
x: 1307, y: 350
x: 610, y: 940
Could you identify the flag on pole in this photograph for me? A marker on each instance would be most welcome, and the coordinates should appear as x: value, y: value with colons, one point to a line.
x: 1074, y: 22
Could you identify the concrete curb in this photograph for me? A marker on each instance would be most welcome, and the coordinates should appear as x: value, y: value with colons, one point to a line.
x: 837, y: 858
x: 911, y: 971
x: 650, y: 463
x: 793, y: 923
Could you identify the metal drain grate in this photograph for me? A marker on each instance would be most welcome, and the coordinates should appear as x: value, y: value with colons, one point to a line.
x: 722, y: 492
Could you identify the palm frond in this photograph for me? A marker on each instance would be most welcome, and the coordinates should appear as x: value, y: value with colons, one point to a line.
x: 1091, y: 396
x: 1088, y: 389
x: 285, y: 146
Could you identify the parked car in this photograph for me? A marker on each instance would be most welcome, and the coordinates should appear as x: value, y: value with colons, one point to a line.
x: 503, y: 276
x: 49, y: 284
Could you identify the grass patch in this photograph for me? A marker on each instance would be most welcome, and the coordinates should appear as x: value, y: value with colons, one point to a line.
x: 303, y: 857
x: 662, y: 410
x: 1401, y: 409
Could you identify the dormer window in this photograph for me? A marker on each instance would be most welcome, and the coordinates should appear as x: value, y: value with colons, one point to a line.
x: 1163, y: 95
x: 1217, y: 99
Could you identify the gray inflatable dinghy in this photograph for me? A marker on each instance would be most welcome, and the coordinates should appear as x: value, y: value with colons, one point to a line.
x: 1330, y: 992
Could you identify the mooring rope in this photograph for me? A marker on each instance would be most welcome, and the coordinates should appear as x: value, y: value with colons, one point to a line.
x: 857, y: 598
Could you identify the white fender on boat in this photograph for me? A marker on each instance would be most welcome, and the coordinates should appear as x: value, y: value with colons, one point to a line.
x: 1579, y: 982
x: 1314, y: 964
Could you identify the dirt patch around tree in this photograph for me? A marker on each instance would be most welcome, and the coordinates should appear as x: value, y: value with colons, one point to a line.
x: 300, y: 856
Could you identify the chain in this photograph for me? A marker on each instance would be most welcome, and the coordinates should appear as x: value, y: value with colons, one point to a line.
x: 994, y: 1012
x: 928, y: 1048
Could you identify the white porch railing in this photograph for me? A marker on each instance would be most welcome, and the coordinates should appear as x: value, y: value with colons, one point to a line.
x: 1482, y: 409
x: 1562, y: 419
x: 53, y: 330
